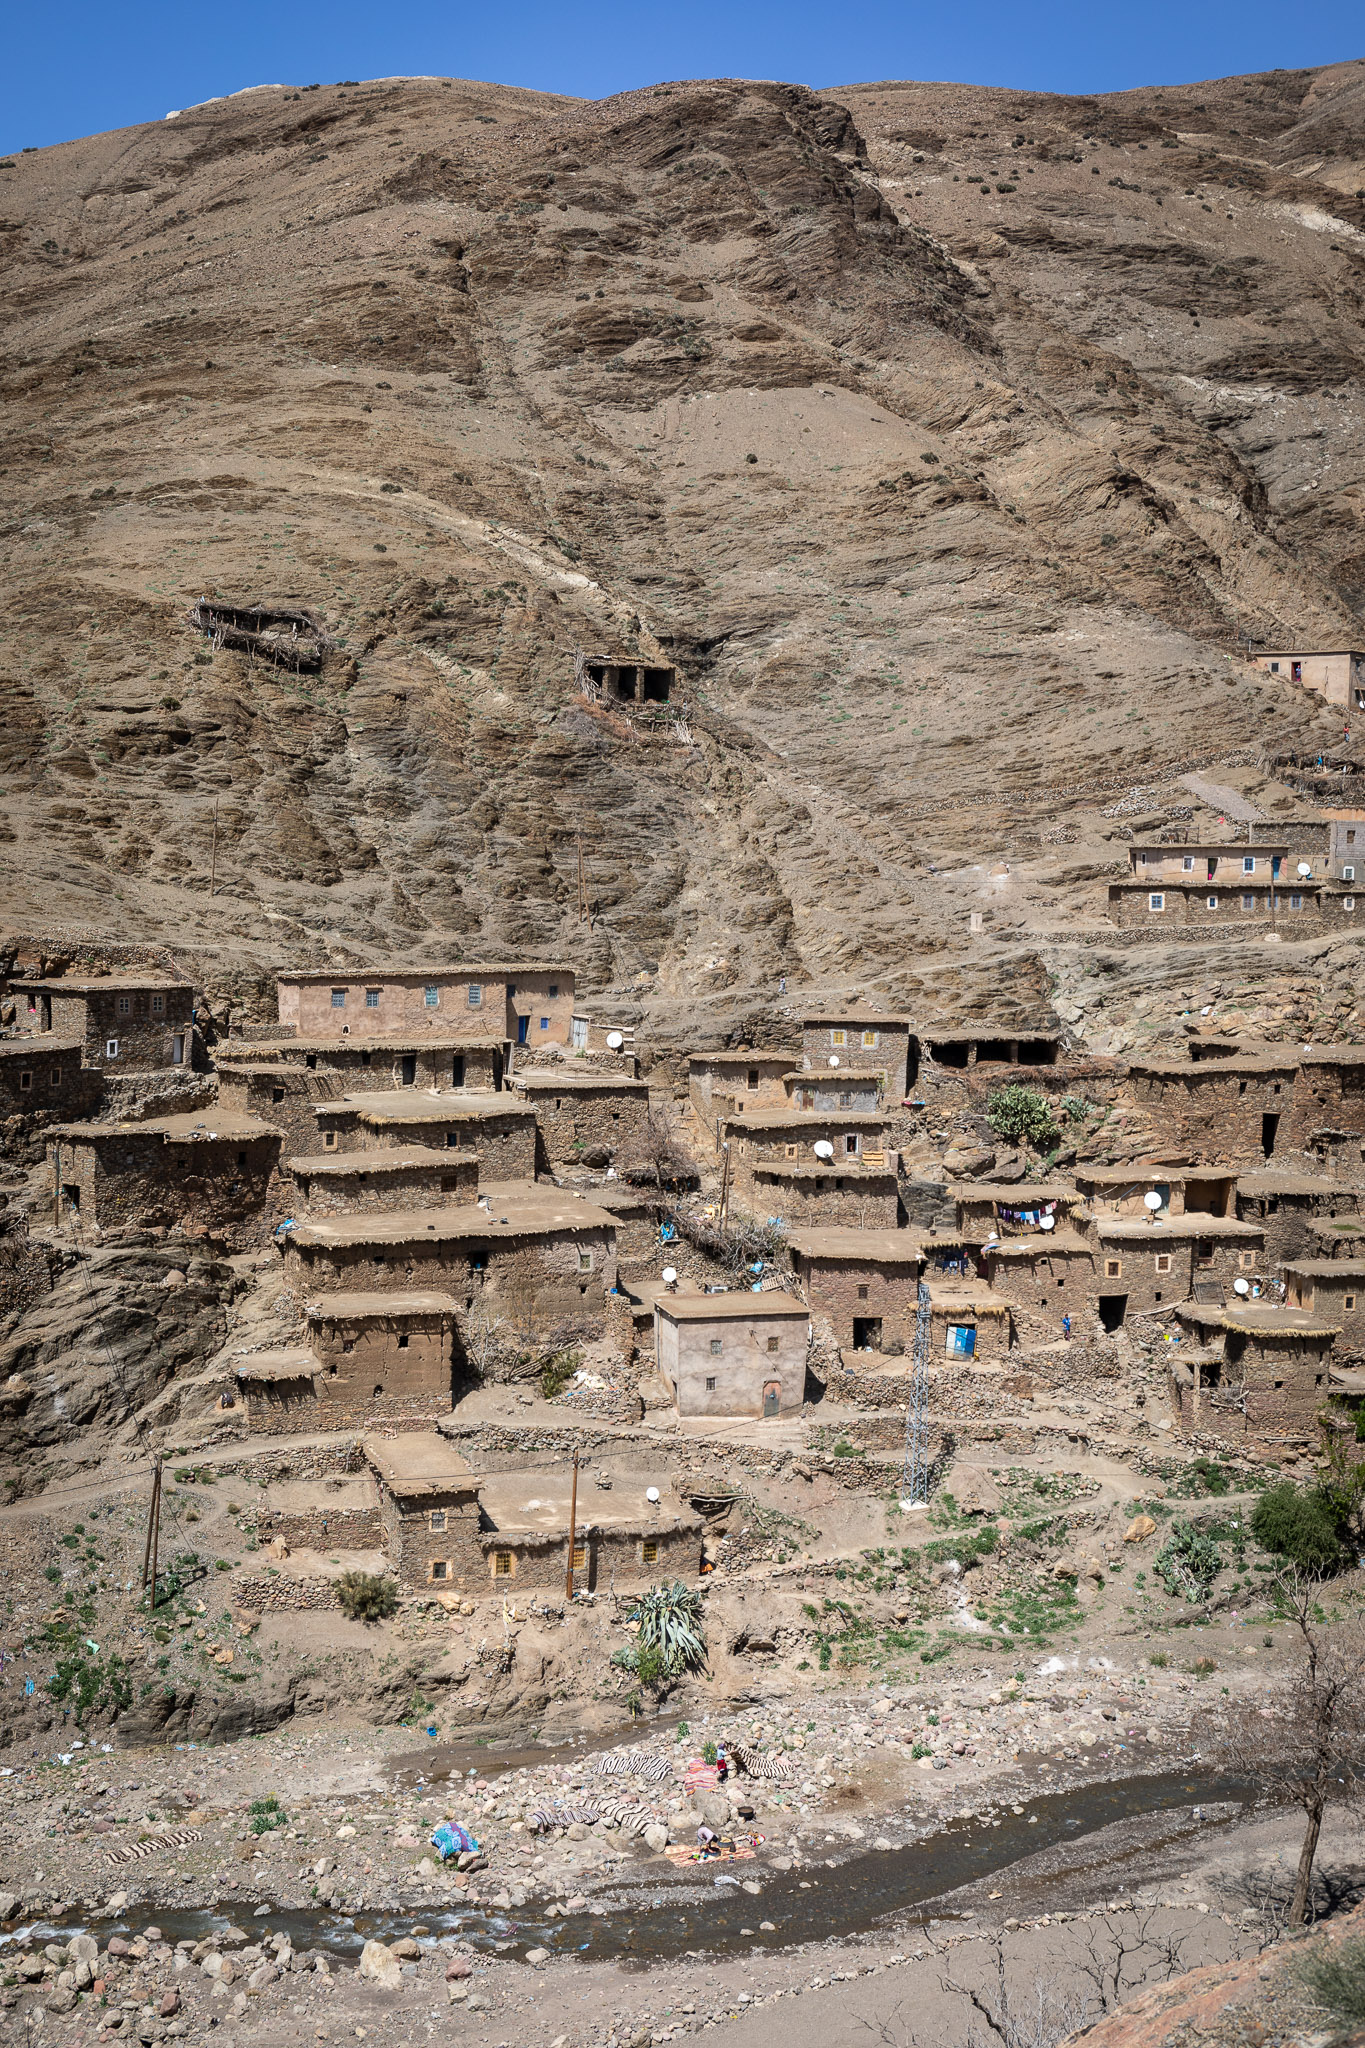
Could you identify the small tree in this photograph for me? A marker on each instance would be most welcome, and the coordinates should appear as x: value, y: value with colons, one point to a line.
x: 1021, y: 1114
x: 1303, y: 1741
x: 658, y: 1153
x: 1304, y: 1527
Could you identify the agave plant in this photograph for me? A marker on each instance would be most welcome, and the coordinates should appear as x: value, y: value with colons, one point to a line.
x: 671, y: 1632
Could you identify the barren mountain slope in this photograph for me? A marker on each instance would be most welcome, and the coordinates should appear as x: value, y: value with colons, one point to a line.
x: 951, y: 468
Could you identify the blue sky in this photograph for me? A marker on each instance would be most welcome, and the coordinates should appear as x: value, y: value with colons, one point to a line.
x: 73, y: 67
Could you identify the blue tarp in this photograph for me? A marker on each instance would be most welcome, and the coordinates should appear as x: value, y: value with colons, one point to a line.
x: 453, y: 1840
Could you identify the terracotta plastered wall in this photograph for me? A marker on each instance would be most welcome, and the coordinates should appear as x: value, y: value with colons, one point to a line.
x: 402, y: 1007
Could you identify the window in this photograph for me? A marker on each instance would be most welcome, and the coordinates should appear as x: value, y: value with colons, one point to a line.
x: 838, y: 1038
x: 554, y: 990
x: 851, y: 1143
x: 1349, y: 1301
x: 715, y: 1347
x: 1248, y: 902
x: 158, y: 1006
x: 436, y: 1521
x: 1163, y: 1262
x: 439, y: 1568
x: 751, y: 1078
x: 1351, y: 838
x: 773, y: 1343
x: 585, y: 1262
x: 649, y: 1550
x: 277, y: 1095
x: 372, y: 999
x: 1247, y: 1261
x: 111, y: 1048
x: 1187, y: 864
x: 1248, y: 864
x: 329, y: 1140
x: 1296, y: 903
x: 1348, y: 902
x: 580, y: 1556
x: 1348, y: 874
x: 403, y: 1340
x: 1156, y: 902
x: 54, y: 1079
x: 504, y: 1564
x: 871, y: 1038
x: 862, y: 1294
x: 474, y: 996
x: 711, y: 1384
x: 338, y: 998
x: 1113, y: 1269
x: 1274, y: 668
x: 431, y: 996
x: 125, y: 1005
x: 1212, y: 902
x: 544, y: 1023
x: 25, y: 1082
x: 790, y: 1151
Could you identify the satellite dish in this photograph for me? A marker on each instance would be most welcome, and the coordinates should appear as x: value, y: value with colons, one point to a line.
x: 1241, y: 1287
x: 823, y: 1149
x: 652, y: 1495
x: 1153, y: 1200
x: 1305, y: 869
x: 614, y: 1041
x: 670, y: 1275
x: 1047, y: 1222
x: 834, y: 1059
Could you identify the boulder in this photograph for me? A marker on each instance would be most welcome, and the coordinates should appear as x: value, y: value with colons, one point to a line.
x: 1139, y: 1529
x: 83, y: 1948
x: 656, y: 1837
x: 975, y: 1492
x: 380, y: 1966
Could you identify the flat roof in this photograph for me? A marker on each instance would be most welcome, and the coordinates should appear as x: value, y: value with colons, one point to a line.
x: 246, y: 1049
x: 851, y: 1019
x: 833, y: 1074
x: 423, y: 1106
x: 1326, y: 1269
x: 1192, y: 1224
x: 460, y: 970
x: 930, y: 1036
x: 419, y: 1461
x: 1205, y: 1070
x: 849, y: 1167
x: 975, y: 1300
x: 877, y: 1247
x: 81, y: 984
x: 740, y: 1059
x: 570, y: 1083
x: 1024, y: 1194
x: 289, y: 1070
x: 804, y: 1119
x: 1183, y: 846
x: 1290, y: 1184
x: 1331, y: 1055
x: 1037, y: 1243
x: 398, y: 1159
x: 337, y: 1308
x: 1123, y: 1176
x: 1297, y: 653
x: 1256, y: 1321
x: 409, y: 1226
x: 191, y: 1127
x: 538, y: 1504
x: 732, y: 1307
x: 294, y: 1363
x: 40, y: 1042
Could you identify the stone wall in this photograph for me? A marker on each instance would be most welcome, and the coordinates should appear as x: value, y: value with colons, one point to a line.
x: 128, y: 1016
x: 847, y: 1290
x: 592, y: 1126
x: 322, y: 1528
x: 858, y: 1200
x: 275, y: 1408
x: 1150, y: 1284
x: 264, y: 1593
x: 218, y: 1186
x: 505, y: 1140
x: 451, y: 1181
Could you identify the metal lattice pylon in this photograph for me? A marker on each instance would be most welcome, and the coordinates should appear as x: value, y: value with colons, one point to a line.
x: 915, y: 1470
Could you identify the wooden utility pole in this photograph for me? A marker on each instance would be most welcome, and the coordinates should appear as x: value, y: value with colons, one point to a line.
x: 573, y: 1531
x: 213, y: 863
x: 724, y: 1185
x: 582, y: 888
x: 153, y: 1530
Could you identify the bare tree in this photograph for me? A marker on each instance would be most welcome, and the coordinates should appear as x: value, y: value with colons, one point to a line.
x: 658, y: 1153
x: 1303, y: 1740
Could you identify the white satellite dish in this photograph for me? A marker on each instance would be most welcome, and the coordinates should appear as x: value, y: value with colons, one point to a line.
x: 1047, y: 1222
x: 1241, y: 1287
x: 834, y: 1059
x: 652, y: 1495
x: 614, y: 1041
x: 1153, y: 1200
x: 670, y: 1275
x: 1304, y: 869
x: 823, y: 1149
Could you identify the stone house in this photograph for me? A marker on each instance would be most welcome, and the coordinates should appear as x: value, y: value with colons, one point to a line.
x: 828, y: 1091
x: 499, y: 1128
x: 1204, y: 863
x: 627, y: 680
x: 123, y: 1023
x: 590, y: 1120
x: 277, y: 1392
x: 401, y: 1177
x: 1336, y: 675
x: 1346, y: 845
x: 529, y: 1002
x: 1142, y: 1266
x: 860, y: 1196
x: 281, y: 1095
x: 867, y: 1041
x: 787, y: 1138
x: 1255, y: 1371
x: 206, y: 1172
x: 428, y: 1512
x: 986, y: 1211
x: 864, y: 1283
x: 1328, y: 1119
x: 1292, y: 901
x: 732, y: 1354
x: 43, y: 1078
x: 1288, y: 1206
x: 1003, y: 1046
x: 1224, y: 1109
x: 723, y: 1084
x: 370, y: 1358
x: 414, y: 1060
x: 1334, y: 1290
x: 1043, y: 1277
x: 620, y: 1539
x: 969, y: 1322
x: 1123, y: 1190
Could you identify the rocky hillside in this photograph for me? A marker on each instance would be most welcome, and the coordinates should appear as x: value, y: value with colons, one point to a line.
x: 952, y: 443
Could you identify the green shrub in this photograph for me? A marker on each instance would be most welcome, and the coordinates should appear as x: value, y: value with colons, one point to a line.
x: 1303, y: 1526
x: 366, y: 1596
x: 1021, y: 1113
x: 265, y: 1814
x: 1360, y: 1424
x: 1211, y: 1476
x: 708, y: 1752
x: 1188, y: 1562
x: 1335, y: 1977
x: 558, y: 1372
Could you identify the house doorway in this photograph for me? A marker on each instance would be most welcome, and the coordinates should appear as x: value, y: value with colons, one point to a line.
x: 772, y: 1397
x: 409, y: 1069
x: 1113, y: 1308
x: 1270, y: 1124
x: 961, y: 1340
x: 867, y: 1333
x: 457, y: 1070
x: 523, y: 1030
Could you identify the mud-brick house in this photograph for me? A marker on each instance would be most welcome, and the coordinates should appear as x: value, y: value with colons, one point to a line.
x: 499, y: 1128
x: 1252, y: 1371
x: 527, y: 1275
x: 732, y: 1354
x: 723, y: 1084
x: 206, y: 1171
x: 383, y: 1357
x: 1143, y: 1265
x: 1288, y: 1207
x: 43, y: 1077
x: 1334, y: 1290
x: 1043, y: 1277
x: 405, y: 1177
x: 123, y: 1023
x: 967, y: 1321
x: 986, y: 1211
x: 411, y: 1060
x: 530, y: 1002
x: 827, y: 1090
x: 861, y: 1196
x: 279, y: 1094
x: 1224, y: 1109
x: 867, y: 1041
x: 621, y: 1538
x: 586, y: 1119
x: 1123, y: 1190
x: 864, y: 1283
x: 277, y: 1391
x: 804, y: 1156
x: 1337, y: 675
x: 428, y: 1512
